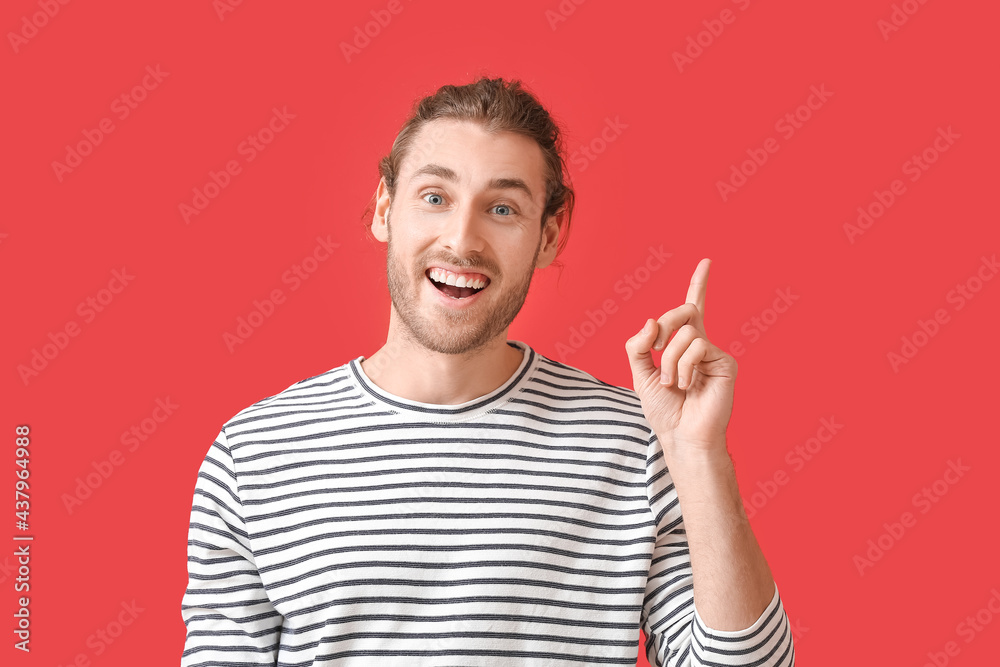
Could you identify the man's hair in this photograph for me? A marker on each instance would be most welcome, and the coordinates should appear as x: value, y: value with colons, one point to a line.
x: 499, y: 106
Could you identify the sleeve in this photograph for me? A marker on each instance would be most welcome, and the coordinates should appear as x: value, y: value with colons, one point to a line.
x: 229, y: 618
x: 676, y: 635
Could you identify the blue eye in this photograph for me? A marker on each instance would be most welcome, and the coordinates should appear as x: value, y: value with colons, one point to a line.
x: 434, y: 194
x: 511, y: 211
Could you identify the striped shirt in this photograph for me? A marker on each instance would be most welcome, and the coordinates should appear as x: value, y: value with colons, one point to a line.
x: 335, y: 523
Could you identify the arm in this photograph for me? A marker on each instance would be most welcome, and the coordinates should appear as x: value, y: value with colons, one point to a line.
x: 229, y: 618
x: 732, y: 582
x: 688, y: 401
x: 694, y: 570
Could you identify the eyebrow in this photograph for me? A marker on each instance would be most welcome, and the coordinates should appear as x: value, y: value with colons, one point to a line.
x: 494, y: 184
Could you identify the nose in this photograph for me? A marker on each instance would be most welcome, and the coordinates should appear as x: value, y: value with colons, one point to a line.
x: 462, y: 232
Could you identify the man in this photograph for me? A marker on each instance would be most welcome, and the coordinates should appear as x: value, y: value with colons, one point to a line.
x: 458, y: 498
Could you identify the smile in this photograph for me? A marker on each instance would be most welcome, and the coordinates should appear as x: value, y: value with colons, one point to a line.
x: 457, y: 285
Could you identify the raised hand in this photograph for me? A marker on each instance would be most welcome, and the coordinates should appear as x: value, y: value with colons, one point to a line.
x: 687, y: 400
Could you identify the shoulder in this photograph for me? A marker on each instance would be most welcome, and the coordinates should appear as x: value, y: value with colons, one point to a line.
x: 565, y: 382
x: 296, y: 397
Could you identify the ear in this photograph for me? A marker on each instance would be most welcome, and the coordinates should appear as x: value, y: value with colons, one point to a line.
x: 550, y: 240
x: 379, y: 226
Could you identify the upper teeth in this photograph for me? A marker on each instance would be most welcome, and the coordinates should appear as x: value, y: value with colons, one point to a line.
x: 458, y: 280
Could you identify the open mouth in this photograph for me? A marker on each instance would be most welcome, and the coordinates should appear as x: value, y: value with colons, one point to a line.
x: 457, y: 285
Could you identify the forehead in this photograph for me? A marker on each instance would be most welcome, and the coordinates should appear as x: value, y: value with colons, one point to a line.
x: 476, y: 155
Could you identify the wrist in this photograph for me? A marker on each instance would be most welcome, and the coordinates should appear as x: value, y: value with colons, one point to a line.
x: 686, y: 451
x: 706, y: 477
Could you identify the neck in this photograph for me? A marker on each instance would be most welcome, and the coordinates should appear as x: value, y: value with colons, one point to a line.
x: 408, y: 370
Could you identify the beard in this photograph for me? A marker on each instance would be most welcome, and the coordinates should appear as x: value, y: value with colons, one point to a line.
x: 449, y: 331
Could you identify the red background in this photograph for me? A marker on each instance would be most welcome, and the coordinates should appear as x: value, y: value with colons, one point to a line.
x: 654, y: 184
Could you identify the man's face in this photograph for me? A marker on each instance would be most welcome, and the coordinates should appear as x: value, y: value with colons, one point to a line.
x: 467, y: 207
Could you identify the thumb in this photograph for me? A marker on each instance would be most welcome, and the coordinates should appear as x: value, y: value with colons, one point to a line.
x: 639, y: 356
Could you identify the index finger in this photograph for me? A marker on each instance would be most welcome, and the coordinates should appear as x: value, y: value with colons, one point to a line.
x: 699, y: 285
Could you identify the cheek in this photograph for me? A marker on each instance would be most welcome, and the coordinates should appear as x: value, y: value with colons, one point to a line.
x: 406, y: 248
x: 415, y: 239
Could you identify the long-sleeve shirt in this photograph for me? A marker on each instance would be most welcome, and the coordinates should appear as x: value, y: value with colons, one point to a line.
x: 335, y: 523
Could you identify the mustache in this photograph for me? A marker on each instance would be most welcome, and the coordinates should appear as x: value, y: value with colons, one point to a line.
x: 472, y: 265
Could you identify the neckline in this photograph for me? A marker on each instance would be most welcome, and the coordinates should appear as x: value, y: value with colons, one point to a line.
x: 438, y: 412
